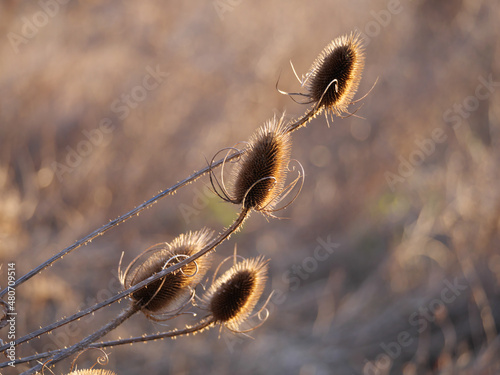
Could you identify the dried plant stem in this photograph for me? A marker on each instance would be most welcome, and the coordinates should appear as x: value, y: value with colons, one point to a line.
x: 205, y: 323
x: 124, y: 315
x: 302, y: 121
x: 121, y: 219
x: 202, y: 325
x: 212, y: 245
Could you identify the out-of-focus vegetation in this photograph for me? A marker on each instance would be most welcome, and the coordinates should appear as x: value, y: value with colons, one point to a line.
x: 387, y: 263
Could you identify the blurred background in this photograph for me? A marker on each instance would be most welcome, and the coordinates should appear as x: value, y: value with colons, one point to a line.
x: 387, y: 263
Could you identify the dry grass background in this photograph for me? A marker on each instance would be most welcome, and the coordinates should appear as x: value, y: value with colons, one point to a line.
x: 397, y: 248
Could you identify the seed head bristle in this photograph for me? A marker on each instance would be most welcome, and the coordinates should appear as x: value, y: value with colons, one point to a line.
x: 92, y: 372
x: 172, y: 291
x: 261, y: 174
x: 334, y: 76
x: 233, y: 296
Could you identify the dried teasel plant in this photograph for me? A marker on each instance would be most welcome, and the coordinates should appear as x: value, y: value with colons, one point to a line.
x: 230, y: 302
x: 161, y: 281
x: 268, y: 156
x: 141, y: 301
x: 167, y: 296
x: 171, y: 289
x: 333, y: 79
x: 233, y: 296
x: 258, y: 181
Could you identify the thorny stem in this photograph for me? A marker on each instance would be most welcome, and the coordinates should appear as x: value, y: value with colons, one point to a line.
x: 121, y: 219
x: 158, y: 336
x: 212, y: 245
x: 303, y: 120
x: 204, y: 323
x: 124, y: 315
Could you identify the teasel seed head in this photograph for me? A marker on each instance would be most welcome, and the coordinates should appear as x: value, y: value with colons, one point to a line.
x: 260, y: 175
x: 334, y: 77
x: 233, y: 296
x: 173, y: 291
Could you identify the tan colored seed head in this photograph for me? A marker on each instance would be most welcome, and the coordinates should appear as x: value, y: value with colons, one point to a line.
x: 334, y: 76
x: 233, y: 296
x: 172, y: 291
x: 261, y: 174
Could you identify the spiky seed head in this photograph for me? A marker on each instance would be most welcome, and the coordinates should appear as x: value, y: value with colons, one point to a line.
x: 262, y: 171
x: 334, y: 76
x: 233, y: 296
x: 172, y: 291
x: 92, y: 372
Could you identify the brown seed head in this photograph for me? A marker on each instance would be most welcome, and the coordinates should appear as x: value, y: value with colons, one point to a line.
x: 261, y: 174
x: 334, y: 77
x: 172, y: 291
x: 234, y: 295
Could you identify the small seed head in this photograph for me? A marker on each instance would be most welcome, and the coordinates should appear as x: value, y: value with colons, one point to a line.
x: 172, y: 291
x: 234, y: 295
x: 262, y: 171
x: 334, y: 77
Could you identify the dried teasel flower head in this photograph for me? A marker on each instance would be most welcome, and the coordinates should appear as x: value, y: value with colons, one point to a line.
x: 259, y: 178
x: 333, y: 79
x: 172, y: 292
x: 233, y: 296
